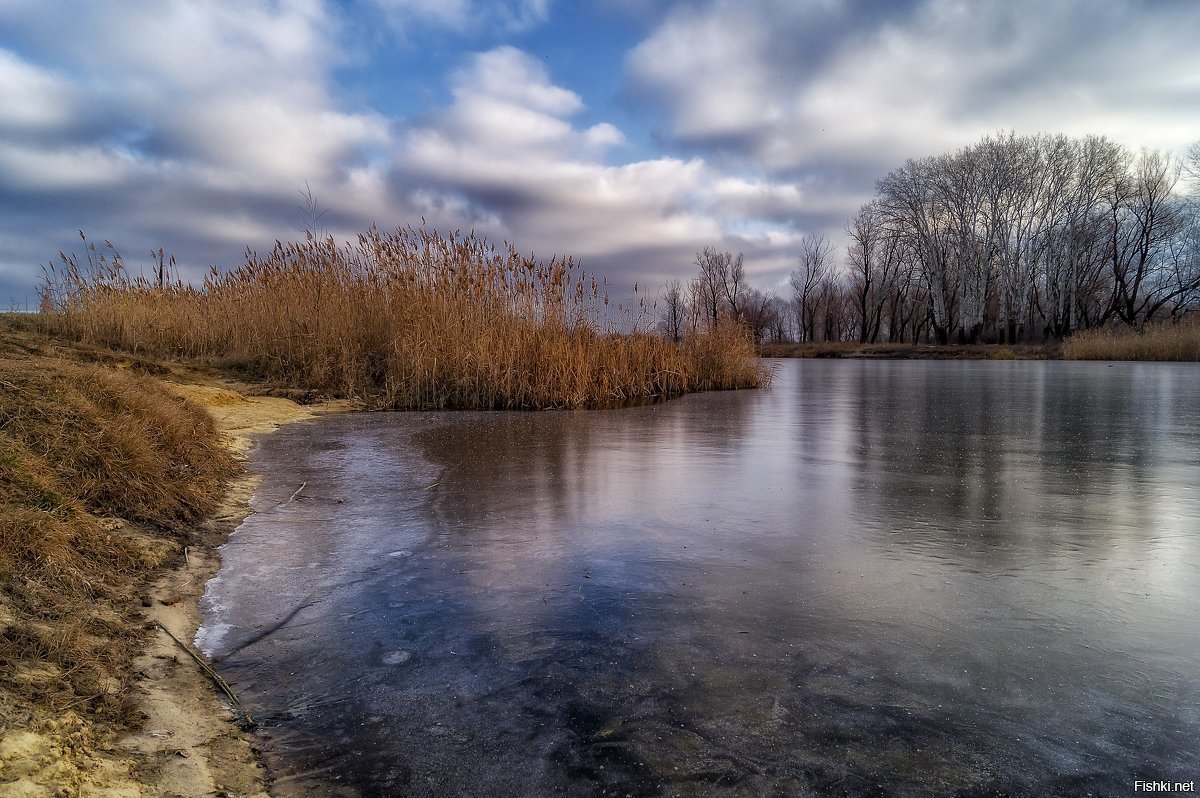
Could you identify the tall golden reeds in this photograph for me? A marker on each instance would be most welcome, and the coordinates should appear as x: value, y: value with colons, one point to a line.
x: 405, y: 320
x: 1164, y: 341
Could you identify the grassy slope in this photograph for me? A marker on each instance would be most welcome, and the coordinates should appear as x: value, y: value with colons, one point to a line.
x: 100, y: 469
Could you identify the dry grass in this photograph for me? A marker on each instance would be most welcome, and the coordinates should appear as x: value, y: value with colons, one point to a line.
x: 407, y: 320
x: 899, y: 351
x: 1165, y: 341
x: 83, y: 452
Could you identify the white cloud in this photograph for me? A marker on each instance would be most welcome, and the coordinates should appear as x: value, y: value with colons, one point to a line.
x: 45, y: 169
x: 32, y: 100
x: 829, y: 96
x: 191, y: 126
x: 507, y: 149
x: 184, y: 125
x: 710, y: 67
x: 510, y: 76
x: 790, y: 85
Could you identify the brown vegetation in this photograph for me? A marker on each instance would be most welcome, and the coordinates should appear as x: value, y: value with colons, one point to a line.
x: 96, y: 466
x: 901, y: 351
x: 406, y: 320
x: 1167, y: 341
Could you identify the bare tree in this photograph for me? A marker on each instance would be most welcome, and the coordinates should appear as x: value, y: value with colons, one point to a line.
x: 1149, y: 223
x: 708, y: 289
x: 735, y: 286
x: 780, y: 325
x: 875, y: 259
x: 674, y: 311
x: 722, y: 283
x: 1191, y: 160
x: 1010, y: 229
x: 908, y: 198
x: 816, y: 262
x: 758, y: 311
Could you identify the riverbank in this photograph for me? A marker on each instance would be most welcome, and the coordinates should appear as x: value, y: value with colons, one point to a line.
x: 115, y: 489
x: 178, y: 697
x: 1167, y: 341
x: 899, y: 351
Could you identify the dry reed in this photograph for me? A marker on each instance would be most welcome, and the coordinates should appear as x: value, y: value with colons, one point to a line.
x: 406, y: 320
x: 1164, y: 341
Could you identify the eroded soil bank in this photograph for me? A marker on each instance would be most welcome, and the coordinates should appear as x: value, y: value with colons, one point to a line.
x: 181, y: 737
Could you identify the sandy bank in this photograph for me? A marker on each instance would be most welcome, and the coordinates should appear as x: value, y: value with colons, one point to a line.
x: 189, y: 743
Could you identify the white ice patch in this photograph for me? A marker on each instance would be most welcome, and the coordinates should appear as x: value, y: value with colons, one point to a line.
x: 209, y: 637
x: 396, y: 657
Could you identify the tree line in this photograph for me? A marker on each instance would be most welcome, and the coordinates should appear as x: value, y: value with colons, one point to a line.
x: 1009, y: 239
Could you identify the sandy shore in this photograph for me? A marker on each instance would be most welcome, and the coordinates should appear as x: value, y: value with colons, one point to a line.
x: 190, y: 743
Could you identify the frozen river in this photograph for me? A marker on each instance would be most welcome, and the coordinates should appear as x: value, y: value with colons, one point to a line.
x: 874, y: 578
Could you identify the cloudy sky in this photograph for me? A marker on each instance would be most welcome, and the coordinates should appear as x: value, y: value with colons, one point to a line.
x: 629, y: 133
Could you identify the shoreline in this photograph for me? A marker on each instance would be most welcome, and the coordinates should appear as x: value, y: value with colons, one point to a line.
x: 188, y: 741
x: 904, y: 351
x: 191, y: 743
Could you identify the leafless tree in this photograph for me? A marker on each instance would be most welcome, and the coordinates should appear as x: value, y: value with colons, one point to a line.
x: 1012, y: 228
x: 909, y: 199
x: 709, y: 286
x: 816, y: 263
x: 875, y: 260
x: 758, y: 311
x: 1191, y: 161
x: 674, y: 311
x: 1150, y: 267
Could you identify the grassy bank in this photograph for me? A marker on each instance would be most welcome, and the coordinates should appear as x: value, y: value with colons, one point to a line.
x: 849, y: 349
x: 96, y: 469
x: 103, y: 470
x: 407, y: 320
x: 1180, y: 341
x: 1167, y: 341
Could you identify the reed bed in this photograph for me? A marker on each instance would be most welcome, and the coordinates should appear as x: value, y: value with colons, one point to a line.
x: 405, y: 320
x: 1164, y: 341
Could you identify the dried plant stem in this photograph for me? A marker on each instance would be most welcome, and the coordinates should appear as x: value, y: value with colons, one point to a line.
x: 407, y: 320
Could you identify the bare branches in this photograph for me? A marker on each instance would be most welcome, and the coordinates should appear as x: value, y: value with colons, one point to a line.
x: 1075, y: 231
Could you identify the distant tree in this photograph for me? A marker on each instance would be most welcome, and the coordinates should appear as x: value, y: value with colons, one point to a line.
x: 758, y: 311
x: 1191, y: 160
x: 875, y: 257
x: 675, y: 311
x: 1072, y: 231
x: 1151, y: 264
x: 816, y: 264
x: 779, y: 327
x: 708, y: 288
x: 909, y: 200
x: 720, y: 284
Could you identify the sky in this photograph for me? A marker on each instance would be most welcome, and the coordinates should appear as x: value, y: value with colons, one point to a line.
x: 627, y: 133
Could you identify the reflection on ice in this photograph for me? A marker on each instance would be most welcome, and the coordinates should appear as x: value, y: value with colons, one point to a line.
x: 877, y: 577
